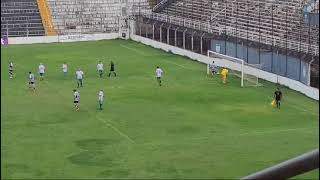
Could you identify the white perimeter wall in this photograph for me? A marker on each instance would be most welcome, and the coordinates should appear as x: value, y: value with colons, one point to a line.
x: 62, y: 38
x: 292, y: 84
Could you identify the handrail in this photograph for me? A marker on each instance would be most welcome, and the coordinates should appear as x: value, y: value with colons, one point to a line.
x: 290, y: 168
x: 161, y: 4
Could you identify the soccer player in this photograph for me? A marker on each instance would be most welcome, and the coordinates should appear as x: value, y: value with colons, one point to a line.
x: 32, y: 84
x: 64, y: 68
x: 224, y: 75
x: 100, y: 69
x: 79, y: 76
x: 278, y: 97
x: 11, y: 70
x: 112, y: 69
x: 42, y: 69
x: 76, y: 97
x: 159, y: 73
x: 100, y: 98
x: 213, y: 68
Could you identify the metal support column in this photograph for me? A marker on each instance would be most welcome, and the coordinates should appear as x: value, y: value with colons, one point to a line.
x: 309, y: 71
x: 101, y: 25
x: 153, y: 30
x: 175, y: 36
x: 168, y: 35
x: 27, y: 30
x: 161, y: 32
x: 201, y: 43
x: 7, y: 30
x: 184, y: 38
x: 192, y: 40
x: 147, y: 30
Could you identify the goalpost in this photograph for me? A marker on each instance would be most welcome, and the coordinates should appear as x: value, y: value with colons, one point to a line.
x: 236, y: 67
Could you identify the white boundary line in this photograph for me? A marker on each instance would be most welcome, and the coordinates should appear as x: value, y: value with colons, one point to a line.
x: 133, y: 49
x: 275, y: 131
x: 115, y: 129
x: 141, y: 53
x: 228, y: 135
x: 298, y: 107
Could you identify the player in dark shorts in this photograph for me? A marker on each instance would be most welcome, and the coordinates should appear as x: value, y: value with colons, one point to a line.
x: 112, y: 70
x: 76, y: 96
x: 278, y: 97
x: 11, y: 70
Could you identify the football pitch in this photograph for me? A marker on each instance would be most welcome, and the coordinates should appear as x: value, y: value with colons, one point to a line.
x: 191, y: 127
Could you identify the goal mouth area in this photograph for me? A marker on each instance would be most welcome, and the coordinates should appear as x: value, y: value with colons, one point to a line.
x: 237, y: 67
x: 249, y: 80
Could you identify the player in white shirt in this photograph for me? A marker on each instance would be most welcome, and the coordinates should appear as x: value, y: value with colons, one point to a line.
x: 42, y: 69
x: 100, y: 98
x: 213, y: 68
x: 76, y: 99
x: 65, y: 68
x: 79, y: 76
x: 100, y: 69
x: 11, y: 70
x: 159, y: 73
x: 32, y: 84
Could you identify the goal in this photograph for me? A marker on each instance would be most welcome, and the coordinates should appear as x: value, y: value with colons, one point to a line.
x: 237, y: 67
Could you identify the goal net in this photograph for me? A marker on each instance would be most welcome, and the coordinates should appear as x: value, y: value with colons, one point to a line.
x: 237, y: 67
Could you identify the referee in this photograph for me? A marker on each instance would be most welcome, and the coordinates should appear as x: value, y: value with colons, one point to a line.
x: 112, y: 71
x: 278, y: 97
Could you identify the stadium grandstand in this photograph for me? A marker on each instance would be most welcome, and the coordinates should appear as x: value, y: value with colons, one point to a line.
x: 196, y: 125
x: 283, y: 34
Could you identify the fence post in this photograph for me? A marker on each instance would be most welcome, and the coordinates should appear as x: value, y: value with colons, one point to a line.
x: 7, y: 30
x: 101, y: 25
x: 147, y: 30
x: 175, y: 36
x: 168, y: 35
x: 201, y: 43
x: 184, y: 39
x: 161, y: 32
x: 309, y: 71
x: 153, y: 31
x: 27, y: 30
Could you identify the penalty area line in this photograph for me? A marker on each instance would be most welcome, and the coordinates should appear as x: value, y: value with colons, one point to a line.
x: 177, y: 65
x: 117, y: 130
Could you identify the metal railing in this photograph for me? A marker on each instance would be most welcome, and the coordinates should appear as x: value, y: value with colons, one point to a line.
x: 162, y: 4
x: 280, y: 42
x: 291, y: 168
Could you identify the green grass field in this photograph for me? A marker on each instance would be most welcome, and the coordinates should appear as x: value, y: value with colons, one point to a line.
x: 191, y: 127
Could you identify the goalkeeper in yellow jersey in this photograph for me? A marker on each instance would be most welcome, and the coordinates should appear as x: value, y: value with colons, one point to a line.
x: 224, y: 75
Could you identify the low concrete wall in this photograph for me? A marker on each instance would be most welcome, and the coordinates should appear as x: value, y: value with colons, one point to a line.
x: 62, y: 38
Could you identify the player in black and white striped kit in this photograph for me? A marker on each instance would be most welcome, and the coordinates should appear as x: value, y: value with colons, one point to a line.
x: 76, y: 101
x: 32, y: 82
x: 11, y: 70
